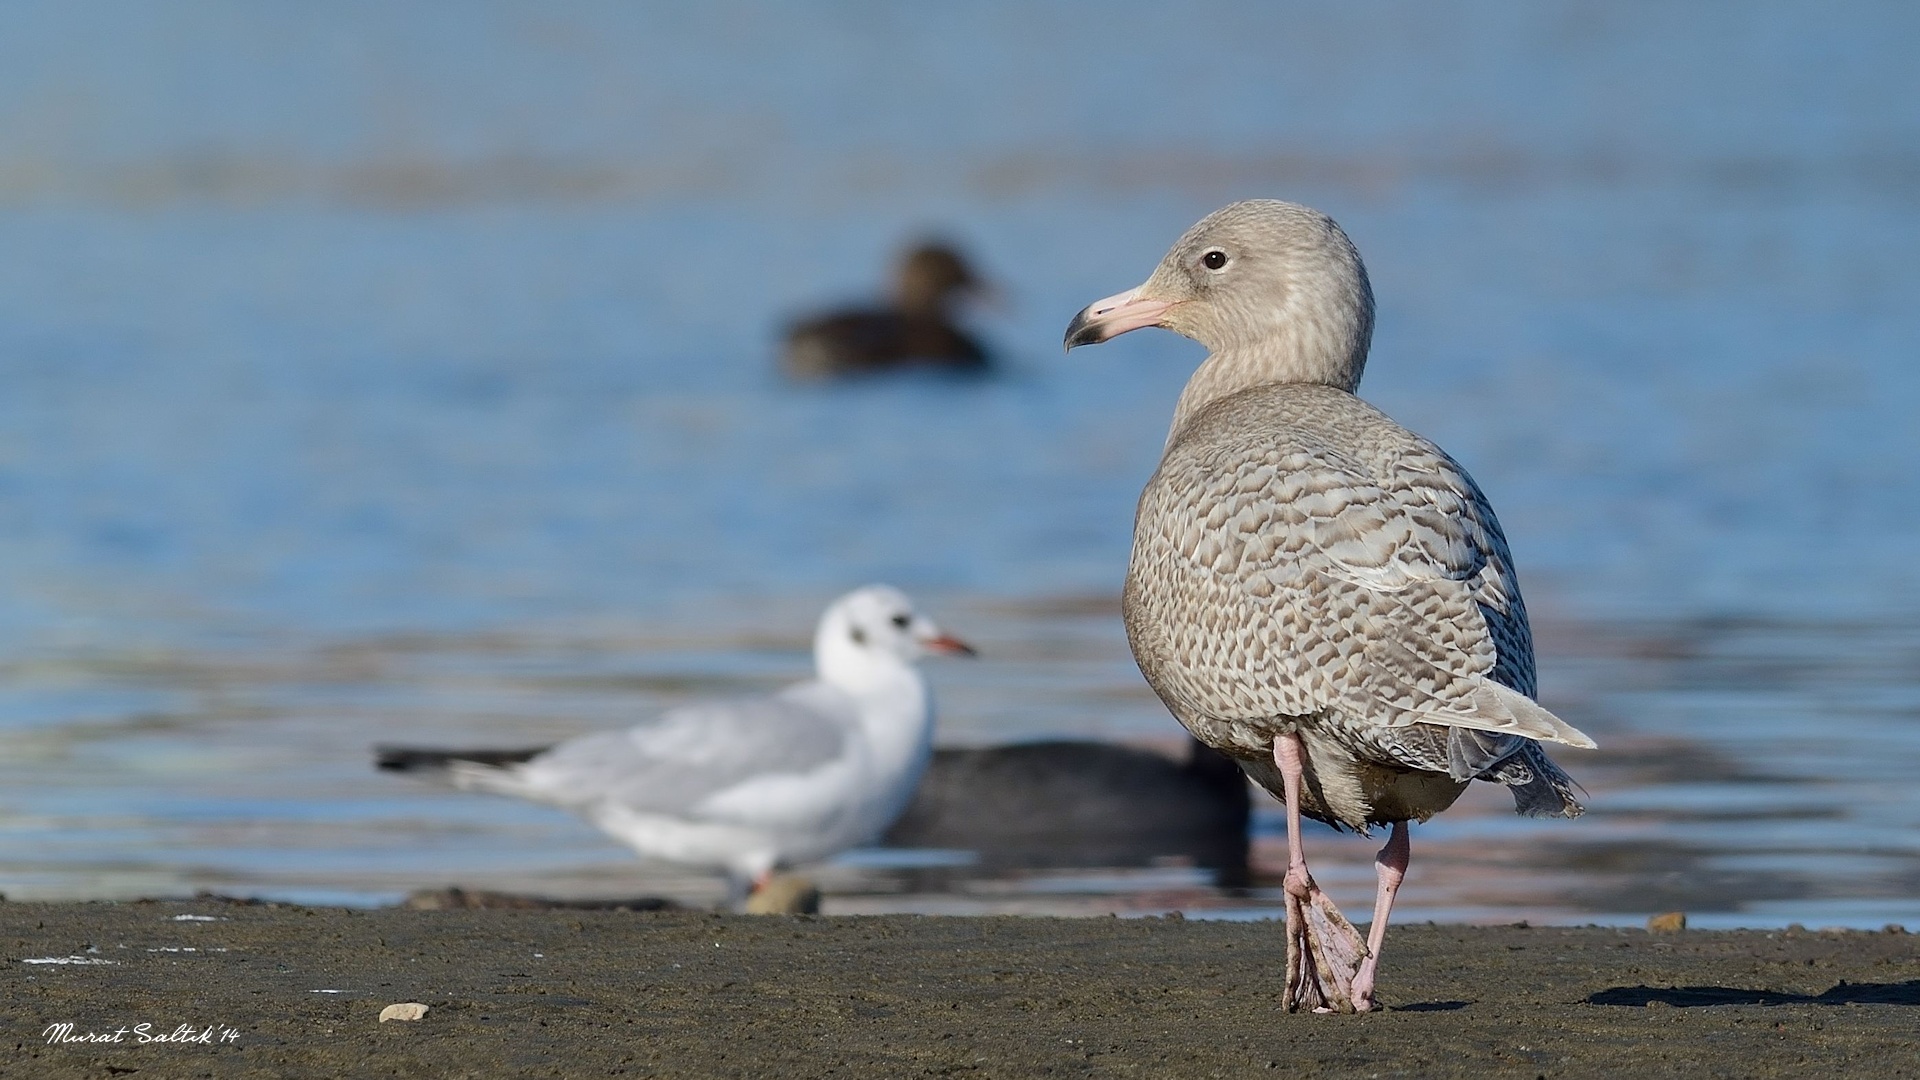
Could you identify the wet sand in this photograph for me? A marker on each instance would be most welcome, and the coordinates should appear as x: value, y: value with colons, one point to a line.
x: 589, y: 993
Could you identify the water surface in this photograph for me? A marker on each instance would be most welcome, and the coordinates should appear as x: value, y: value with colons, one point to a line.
x: 394, y: 372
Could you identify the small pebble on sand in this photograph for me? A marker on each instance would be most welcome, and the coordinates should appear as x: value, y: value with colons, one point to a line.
x: 1670, y: 922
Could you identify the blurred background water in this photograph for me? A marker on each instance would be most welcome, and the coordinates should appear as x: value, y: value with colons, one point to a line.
x: 406, y: 372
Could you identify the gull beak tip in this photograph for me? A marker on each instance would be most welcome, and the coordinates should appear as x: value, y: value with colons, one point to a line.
x: 948, y: 645
x: 1104, y: 320
x: 1078, y: 334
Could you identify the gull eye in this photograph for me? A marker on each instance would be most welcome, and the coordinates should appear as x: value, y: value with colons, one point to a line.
x: 1214, y: 260
x: 859, y: 636
x: 902, y: 621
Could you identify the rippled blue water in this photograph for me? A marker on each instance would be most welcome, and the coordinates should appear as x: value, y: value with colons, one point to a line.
x: 386, y: 368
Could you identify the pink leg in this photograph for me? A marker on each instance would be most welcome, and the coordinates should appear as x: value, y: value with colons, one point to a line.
x: 1324, y: 951
x: 1392, y: 868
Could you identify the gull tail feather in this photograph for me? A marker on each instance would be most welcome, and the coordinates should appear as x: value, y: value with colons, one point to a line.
x: 1548, y: 791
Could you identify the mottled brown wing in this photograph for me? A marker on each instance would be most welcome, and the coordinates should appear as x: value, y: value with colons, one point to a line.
x: 1311, y: 564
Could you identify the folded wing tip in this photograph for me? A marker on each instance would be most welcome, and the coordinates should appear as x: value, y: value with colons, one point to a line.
x: 1507, y: 711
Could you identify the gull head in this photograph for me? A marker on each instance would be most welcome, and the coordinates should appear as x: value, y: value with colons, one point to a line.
x: 1270, y: 283
x: 878, y: 626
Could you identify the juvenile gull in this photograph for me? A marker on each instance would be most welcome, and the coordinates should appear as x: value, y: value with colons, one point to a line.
x: 1314, y: 589
x: 741, y: 787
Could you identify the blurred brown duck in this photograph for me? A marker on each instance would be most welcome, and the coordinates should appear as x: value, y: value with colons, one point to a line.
x: 914, y: 330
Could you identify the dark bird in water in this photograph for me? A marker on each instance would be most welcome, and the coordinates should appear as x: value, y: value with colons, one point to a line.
x: 1075, y: 803
x: 1315, y: 590
x: 915, y: 329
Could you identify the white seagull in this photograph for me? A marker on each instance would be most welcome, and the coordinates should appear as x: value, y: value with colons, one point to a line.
x: 1315, y: 590
x: 742, y: 787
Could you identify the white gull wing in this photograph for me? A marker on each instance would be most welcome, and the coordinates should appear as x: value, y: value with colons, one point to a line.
x: 680, y: 763
x: 1298, y: 553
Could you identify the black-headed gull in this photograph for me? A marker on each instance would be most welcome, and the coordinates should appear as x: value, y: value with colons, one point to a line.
x: 744, y: 786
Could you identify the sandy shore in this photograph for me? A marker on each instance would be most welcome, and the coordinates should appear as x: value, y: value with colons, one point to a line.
x: 292, y: 991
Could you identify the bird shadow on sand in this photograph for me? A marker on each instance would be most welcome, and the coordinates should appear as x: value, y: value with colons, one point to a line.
x: 1845, y: 993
